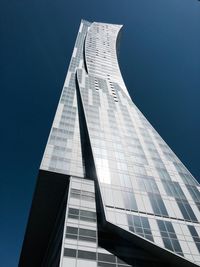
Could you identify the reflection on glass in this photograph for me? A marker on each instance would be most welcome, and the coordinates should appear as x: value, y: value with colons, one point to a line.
x: 103, y: 172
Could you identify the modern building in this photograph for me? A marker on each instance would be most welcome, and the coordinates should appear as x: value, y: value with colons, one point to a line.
x: 110, y: 192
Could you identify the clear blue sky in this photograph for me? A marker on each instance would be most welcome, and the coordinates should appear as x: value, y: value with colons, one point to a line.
x: 160, y: 63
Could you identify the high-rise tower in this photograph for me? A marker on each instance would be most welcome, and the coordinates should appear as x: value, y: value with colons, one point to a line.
x: 110, y: 192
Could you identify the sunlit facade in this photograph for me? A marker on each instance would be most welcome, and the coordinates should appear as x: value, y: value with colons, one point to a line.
x: 110, y: 191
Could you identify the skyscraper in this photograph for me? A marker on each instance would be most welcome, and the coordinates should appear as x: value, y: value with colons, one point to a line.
x: 110, y: 192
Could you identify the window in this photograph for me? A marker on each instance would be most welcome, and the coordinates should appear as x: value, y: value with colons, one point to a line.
x: 129, y: 200
x: 73, y: 213
x: 163, y: 174
x: 169, y: 236
x: 85, y: 195
x: 187, y: 211
x: 106, y: 257
x: 72, y: 230
x: 86, y: 255
x: 85, y: 215
x: 173, y: 189
x: 140, y: 225
x: 194, y: 192
x: 84, y: 234
x: 158, y: 205
x: 68, y: 252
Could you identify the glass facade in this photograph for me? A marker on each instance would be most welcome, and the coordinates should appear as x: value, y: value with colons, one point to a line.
x: 122, y: 175
x: 80, y: 239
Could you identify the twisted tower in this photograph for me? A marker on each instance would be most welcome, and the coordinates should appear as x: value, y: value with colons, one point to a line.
x: 110, y: 191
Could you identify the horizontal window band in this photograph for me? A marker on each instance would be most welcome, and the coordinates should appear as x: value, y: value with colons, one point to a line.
x: 157, y: 215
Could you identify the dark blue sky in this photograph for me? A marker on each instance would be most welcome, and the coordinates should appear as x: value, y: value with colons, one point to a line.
x: 160, y: 63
